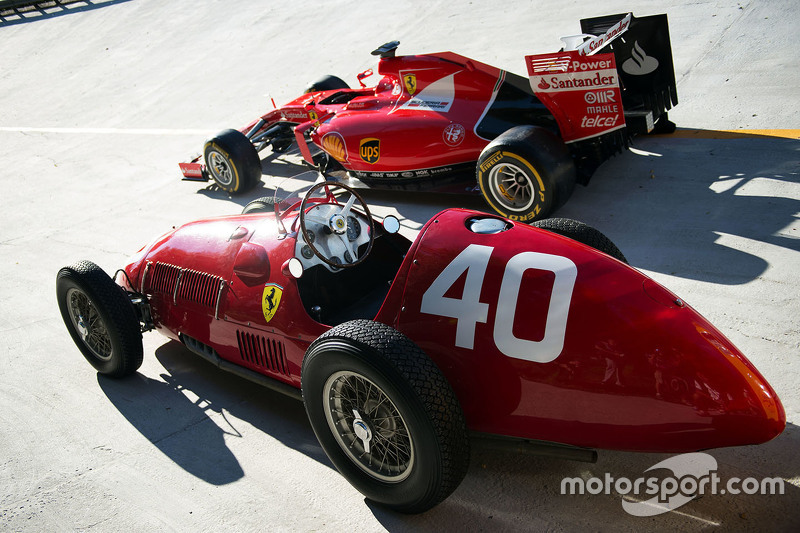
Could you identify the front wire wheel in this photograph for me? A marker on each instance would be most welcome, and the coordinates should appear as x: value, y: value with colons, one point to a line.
x: 87, y: 321
x: 368, y: 427
x: 100, y: 318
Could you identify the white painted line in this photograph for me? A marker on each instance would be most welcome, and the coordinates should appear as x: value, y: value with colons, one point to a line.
x: 107, y: 131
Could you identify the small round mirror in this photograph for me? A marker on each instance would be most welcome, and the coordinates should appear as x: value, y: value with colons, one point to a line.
x: 391, y: 224
x: 292, y: 268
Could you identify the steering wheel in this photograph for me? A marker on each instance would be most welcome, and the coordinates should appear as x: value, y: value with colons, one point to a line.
x: 341, y: 225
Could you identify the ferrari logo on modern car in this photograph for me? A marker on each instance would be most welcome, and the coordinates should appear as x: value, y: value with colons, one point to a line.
x: 270, y: 300
x: 370, y: 150
x: 410, y: 81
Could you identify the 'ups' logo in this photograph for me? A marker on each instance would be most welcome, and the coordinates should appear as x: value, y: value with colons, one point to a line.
x: 370, y: 150
x: 410, y: 81
x: 333, y: 143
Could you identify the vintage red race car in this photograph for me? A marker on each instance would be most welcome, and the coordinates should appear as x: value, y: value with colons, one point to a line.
x: 401, y: 350
x: 441, y: 121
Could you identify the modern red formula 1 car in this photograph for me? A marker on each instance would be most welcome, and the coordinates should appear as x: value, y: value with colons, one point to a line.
x: 401, y: 351
x: 439, y: 121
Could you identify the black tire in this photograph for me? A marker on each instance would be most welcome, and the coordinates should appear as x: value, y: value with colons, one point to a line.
x: 327, y: 83
x: 100, y: 318
x: 538, y: 167
x: 420, y: 415
x: 265, y: 204
x: 583, y: 233
x: 232, y: 161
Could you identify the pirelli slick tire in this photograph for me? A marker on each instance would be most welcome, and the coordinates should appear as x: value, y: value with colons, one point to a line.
x: 100, y: 318
x: 327, y: 83
x: 583, y: 233
x: 385, y: 415
x: 232, y: 161
x: 526, y: 173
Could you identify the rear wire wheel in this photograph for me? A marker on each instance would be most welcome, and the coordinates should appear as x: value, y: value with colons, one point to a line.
x: 583, y: 233
x: 385, y: 415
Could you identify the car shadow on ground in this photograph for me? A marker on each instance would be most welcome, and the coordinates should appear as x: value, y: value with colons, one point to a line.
x: 711, y: 194
x: 505, y: 491
x: 188, y: 413
x: 708, y: 192
x: 33, y: 10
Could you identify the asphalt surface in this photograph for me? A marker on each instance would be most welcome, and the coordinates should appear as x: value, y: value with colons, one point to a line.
x: 101, y: 100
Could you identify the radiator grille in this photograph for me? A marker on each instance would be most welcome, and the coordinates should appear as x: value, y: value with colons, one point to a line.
x: 267, y: 354
x: 191, y: 285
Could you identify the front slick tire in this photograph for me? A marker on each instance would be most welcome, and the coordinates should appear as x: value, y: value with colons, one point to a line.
x: 232, y: 161
x: 385, y: 415
x: 526, y: 173
x: 100, y: 318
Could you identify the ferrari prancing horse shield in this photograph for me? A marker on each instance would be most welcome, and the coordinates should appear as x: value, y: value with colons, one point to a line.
x: 410, y: 81
x: 270, y: 300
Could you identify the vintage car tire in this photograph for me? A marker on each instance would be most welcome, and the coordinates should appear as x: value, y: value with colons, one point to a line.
x: 112, y: 342
x: 583, y: 233
x: 540, y: 165
x: 232, y: 161
x: 406, y: 386
x: 327, y: 83
x: 265, y: 204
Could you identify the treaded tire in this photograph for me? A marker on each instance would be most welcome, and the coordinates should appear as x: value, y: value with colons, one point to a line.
x: 327, y: 83
x: 526, y: 173
x: 425, y: 405
x: 232, y: 161
x: 265, y: 204
x: 583, y: 233
x: 100, y: 318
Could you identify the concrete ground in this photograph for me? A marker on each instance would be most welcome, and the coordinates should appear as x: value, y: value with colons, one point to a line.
x: 102, y: 99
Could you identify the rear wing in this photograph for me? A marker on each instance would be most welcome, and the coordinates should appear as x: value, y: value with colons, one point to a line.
x: 613, y: 81
x: 643, y: 55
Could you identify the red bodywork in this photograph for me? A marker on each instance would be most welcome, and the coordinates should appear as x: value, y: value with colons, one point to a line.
x: 427, y: 119
x: 541, y: 337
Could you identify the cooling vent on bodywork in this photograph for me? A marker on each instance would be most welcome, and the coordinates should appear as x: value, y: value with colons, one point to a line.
x: 266, y: 354
x: 183, y: 283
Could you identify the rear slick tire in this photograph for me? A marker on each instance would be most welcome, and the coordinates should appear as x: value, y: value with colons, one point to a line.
x: 526, y: 173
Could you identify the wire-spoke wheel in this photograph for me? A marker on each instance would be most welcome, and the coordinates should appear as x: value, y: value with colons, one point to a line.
x: 368, y: 427
x: 100, y: 318
x: 385, y: 415
x: 87, y: 321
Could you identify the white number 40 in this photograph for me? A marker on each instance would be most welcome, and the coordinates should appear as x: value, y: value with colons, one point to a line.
x: 469, y: 310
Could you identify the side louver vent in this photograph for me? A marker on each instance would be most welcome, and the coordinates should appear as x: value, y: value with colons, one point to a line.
x: 267, y: 354
x: 184, y: 283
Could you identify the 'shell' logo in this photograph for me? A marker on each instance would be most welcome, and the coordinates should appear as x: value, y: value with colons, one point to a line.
x: 333, y: 143
x: 370, y: 150
x: 410, y: 81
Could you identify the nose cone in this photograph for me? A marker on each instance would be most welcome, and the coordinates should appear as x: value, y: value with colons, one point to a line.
x: 744, y: 408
